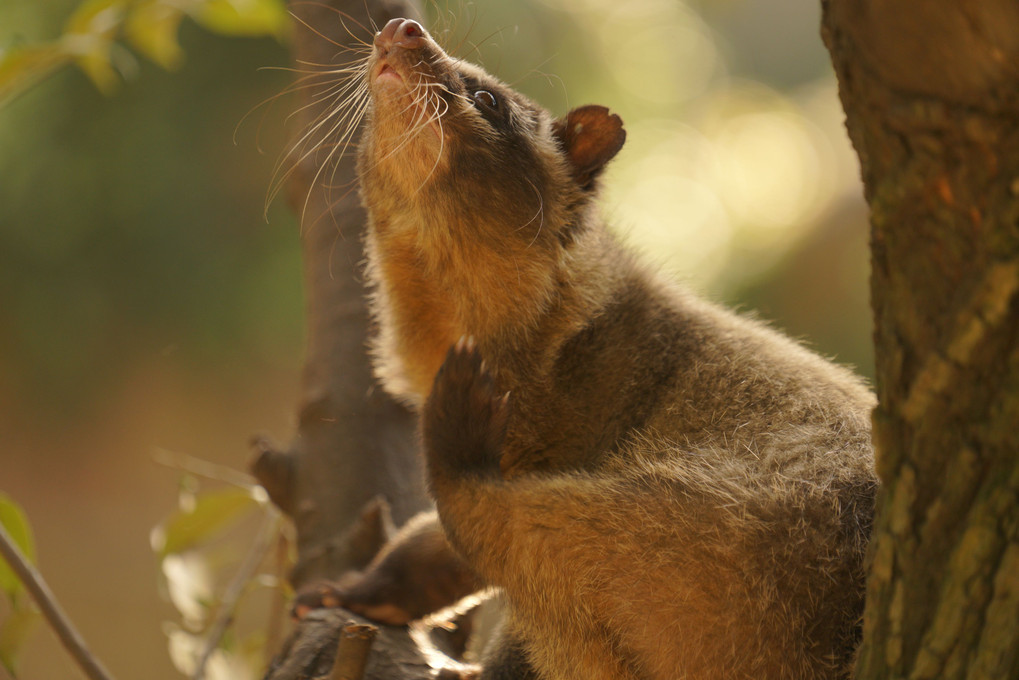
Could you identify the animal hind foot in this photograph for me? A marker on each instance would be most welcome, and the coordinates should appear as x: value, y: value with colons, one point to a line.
x: 464, y: 419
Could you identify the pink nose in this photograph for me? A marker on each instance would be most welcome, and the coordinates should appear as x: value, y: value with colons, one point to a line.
x: 405, y: 33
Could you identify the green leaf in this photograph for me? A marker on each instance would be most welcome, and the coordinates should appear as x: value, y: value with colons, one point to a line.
x: 99, y: 69
x: 244, y: 17
x: 22, y: 67
x: 98, y: 17
x: 88, y: 37
x: 210, y: 513
x: 152, y: 28
x: 14, y: 631
x: 22, y: 616
x: 14, y: 521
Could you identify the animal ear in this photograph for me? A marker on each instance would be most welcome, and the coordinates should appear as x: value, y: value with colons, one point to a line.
x: 590, y: 136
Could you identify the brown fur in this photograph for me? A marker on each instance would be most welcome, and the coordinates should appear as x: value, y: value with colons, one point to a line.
x: 672, y: 491
x: 415, y: 574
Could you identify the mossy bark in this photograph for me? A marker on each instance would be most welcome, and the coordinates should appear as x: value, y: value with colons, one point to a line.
x: 931, y: 94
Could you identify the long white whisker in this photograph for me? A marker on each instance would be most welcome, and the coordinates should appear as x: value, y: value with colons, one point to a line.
x: 349, y: 116
x: 335, y: 91
x: 302, y: 150
x: 358, y: 98
x: 315, y: 67
x: 540, y: 213
x: 340, y: 150
x: 342, y: 87
x: 346, y: 137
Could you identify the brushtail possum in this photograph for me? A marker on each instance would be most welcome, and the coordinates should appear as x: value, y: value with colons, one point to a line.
x: 662, y: 488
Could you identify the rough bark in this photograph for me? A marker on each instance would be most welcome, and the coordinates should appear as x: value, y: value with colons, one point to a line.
x: 314, y: 650
x: 353, y: 442
x: 931, y: 94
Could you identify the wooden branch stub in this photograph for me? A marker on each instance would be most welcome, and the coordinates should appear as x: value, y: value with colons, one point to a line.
x: 352, y: 651
x: 274, y: 470
x: 312, y: 649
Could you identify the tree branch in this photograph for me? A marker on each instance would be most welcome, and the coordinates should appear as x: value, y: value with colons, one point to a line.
x: 51, y: 609
x: 311, y: 651
x: 352, y: 651
x: 353, y: 441
x: 245, y: 572
x: 355, y: 455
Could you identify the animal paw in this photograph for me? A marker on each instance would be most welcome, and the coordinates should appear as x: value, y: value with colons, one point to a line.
x: 465, y: 416
x: 328, y: 595
x: 323, y: 595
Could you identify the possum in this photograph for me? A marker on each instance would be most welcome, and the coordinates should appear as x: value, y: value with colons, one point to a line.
x: 661, y: 488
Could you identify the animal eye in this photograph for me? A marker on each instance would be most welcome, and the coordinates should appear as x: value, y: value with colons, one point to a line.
x: 486, y: 98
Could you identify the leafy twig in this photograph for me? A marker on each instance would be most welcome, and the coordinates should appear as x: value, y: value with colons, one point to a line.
x: 233, y: 592
x: 54, y: 613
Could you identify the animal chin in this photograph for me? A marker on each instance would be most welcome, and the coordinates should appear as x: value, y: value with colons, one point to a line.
x: 393, y: 94
x: 407, y: 120
x: 408, y: 133
x: 388, y: 73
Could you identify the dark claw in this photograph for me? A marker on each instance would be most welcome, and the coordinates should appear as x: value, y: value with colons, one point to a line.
x: 465, y: 417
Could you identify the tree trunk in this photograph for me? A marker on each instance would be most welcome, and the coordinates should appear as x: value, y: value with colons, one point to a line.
x: 931, y: 94
x: 353, y: 443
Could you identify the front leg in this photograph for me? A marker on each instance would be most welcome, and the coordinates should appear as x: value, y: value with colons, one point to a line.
x: 464, y: 421
x: 464, y: 428
x: 463, y: 431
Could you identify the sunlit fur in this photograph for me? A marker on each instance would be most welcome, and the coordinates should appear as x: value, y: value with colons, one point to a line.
x: 679, y: 492
x: 420, y: 157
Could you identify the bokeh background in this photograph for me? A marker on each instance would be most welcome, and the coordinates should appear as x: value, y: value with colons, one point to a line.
x: 149, y: 302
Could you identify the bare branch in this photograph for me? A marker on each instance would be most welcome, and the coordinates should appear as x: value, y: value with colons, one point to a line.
x: 51, y: 609
x: 199, y: 467
x: 233, y: 592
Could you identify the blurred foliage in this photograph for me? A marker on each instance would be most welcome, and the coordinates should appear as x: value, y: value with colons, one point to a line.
x: 131, y: 226
x: 210, y: 565
x: 21, y: 615
x: 201, y: 516
x: 91, y: 38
